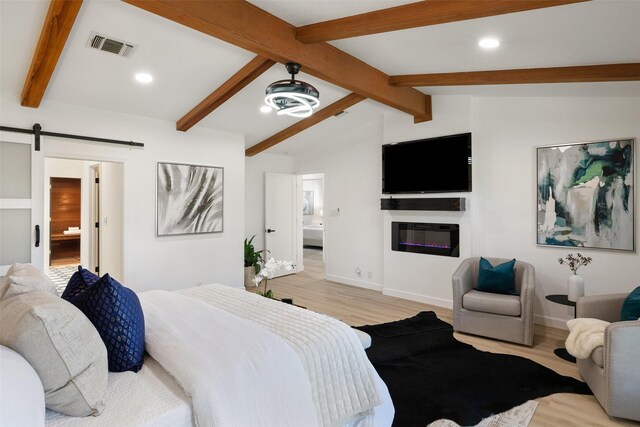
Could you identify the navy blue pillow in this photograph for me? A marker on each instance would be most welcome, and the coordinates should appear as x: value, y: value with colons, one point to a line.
x: 500, y: 279
x: 116, y: 313
x: 631, y: 306
x: 78, y: 283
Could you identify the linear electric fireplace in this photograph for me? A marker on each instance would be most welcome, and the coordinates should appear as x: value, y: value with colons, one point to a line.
x: 423, y: 238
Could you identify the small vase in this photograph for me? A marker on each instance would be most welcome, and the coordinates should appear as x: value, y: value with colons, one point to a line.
x: 249, y: 274
x: 575, y: 287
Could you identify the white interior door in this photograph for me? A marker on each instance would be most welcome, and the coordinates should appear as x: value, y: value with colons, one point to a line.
x: 280, y: 218
x: 21, y: 201
x: 110, y: 238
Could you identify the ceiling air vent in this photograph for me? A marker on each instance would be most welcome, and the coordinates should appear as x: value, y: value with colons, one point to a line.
x: 109, y: 44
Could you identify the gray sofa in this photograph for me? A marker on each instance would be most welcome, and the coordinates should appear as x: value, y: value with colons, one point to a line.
x: 504, y: 317
x: 613, y: 371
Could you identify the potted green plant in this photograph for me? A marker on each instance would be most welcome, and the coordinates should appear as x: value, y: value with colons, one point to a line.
x: 252, y: 260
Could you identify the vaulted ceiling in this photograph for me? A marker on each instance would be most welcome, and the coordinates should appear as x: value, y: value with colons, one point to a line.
x: 204, y: 81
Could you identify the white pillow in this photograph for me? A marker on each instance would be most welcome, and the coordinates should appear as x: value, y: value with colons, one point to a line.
x: 21, y: 392
x: 63, y: 347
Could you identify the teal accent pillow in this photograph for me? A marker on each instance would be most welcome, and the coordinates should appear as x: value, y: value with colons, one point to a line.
x: 500, y: 279
x: 631, y: 306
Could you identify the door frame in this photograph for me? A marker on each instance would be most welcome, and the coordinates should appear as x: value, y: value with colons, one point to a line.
x: 53, y: 151
x: 94, y: 217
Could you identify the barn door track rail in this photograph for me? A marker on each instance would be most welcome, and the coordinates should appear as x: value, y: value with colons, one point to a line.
x: 37, y: 131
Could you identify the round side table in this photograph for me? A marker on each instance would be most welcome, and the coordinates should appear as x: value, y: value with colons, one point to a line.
x: 562, y: 352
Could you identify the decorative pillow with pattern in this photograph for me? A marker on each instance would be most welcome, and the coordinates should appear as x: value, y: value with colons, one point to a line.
x: 116, y: 313
x: 78, y: 283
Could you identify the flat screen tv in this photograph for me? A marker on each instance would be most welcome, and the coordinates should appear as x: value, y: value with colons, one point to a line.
x: 433, y: 165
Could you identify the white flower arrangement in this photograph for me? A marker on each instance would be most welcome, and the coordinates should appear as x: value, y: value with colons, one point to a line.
x: 267, y: 271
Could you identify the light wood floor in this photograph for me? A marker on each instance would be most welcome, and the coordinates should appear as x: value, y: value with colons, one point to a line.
x: 357, y: 306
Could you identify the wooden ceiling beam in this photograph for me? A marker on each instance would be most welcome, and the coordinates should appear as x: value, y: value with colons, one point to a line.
x: 55, y: 31
x: 317, y: 117
x: 578, y: 74
x: 256, y: 67
x: 418, y: 14
x: 242, y: 24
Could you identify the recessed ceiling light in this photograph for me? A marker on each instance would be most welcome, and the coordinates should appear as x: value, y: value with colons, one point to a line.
x: 489, y: 43
x: 265, y: 109
x: 144, y: 77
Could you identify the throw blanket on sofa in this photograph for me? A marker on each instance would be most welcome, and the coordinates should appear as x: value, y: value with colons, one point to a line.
x: 342, y: 379
x: 227, y: 364
x: 585, y: 335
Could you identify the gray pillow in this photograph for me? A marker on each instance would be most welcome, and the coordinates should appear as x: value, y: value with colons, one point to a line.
x: 27, y: 278
x: 61, y: 344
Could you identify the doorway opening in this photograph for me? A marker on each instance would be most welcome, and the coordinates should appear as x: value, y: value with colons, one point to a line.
x: 64, y: 221
x: 313, y: 224
x: 84, y: 205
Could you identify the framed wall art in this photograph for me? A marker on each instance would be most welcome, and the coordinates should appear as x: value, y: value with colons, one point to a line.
x: 585, y: 195
x: 307, y: 209
x: 188, y: 199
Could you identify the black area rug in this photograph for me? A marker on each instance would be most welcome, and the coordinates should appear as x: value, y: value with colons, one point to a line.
x: 431, y: 375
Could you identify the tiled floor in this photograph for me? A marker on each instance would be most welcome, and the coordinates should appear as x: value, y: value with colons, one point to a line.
x: 60, y: 275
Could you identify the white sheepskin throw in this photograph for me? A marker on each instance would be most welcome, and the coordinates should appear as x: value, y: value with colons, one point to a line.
x: 584, y: 336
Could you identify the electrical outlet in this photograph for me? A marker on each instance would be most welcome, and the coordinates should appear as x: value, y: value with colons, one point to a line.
x: 369, y: 275
x: 358, y: 272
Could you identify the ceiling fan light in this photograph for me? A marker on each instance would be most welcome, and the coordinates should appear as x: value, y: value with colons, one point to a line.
x: 292, y: 97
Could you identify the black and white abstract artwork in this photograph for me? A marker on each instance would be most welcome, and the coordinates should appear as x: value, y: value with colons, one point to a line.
x: 189, y: 199
x: 585, y: 195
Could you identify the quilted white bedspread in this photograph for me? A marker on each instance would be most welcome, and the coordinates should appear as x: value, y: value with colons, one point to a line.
x: 148, y: 398
x: 343, y: 381
x: 236, y: 372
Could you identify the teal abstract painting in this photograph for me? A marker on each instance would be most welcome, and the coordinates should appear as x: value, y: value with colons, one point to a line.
x: 585, y: 195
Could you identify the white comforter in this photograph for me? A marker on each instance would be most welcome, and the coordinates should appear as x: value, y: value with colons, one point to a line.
x: 236, y: 372
x: 342, y: 379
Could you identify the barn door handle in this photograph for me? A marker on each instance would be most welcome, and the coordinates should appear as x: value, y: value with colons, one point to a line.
x: 37, y: 236
x: 269, y: 230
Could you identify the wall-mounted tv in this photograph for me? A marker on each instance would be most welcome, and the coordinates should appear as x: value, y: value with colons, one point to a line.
x: 433, y: 165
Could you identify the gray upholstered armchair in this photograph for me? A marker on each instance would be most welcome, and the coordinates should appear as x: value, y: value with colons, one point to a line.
x: 504, y: 317
x: 613, y: 372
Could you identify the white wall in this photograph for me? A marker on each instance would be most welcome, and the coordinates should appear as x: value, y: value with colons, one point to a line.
x: 501, y: 212
x: 255, y: 168
x: 352, y: 217
x: 506, y: 132
x: 420, y: 277
x: 152, y: 262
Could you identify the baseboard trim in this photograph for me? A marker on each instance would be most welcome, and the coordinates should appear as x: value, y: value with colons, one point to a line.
x: 354, y: 282
x: 553, y: 322
x: 438, y: 302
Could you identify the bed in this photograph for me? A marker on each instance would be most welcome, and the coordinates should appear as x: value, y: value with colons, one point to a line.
x: 253, y: 353
x: 312, y: 235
